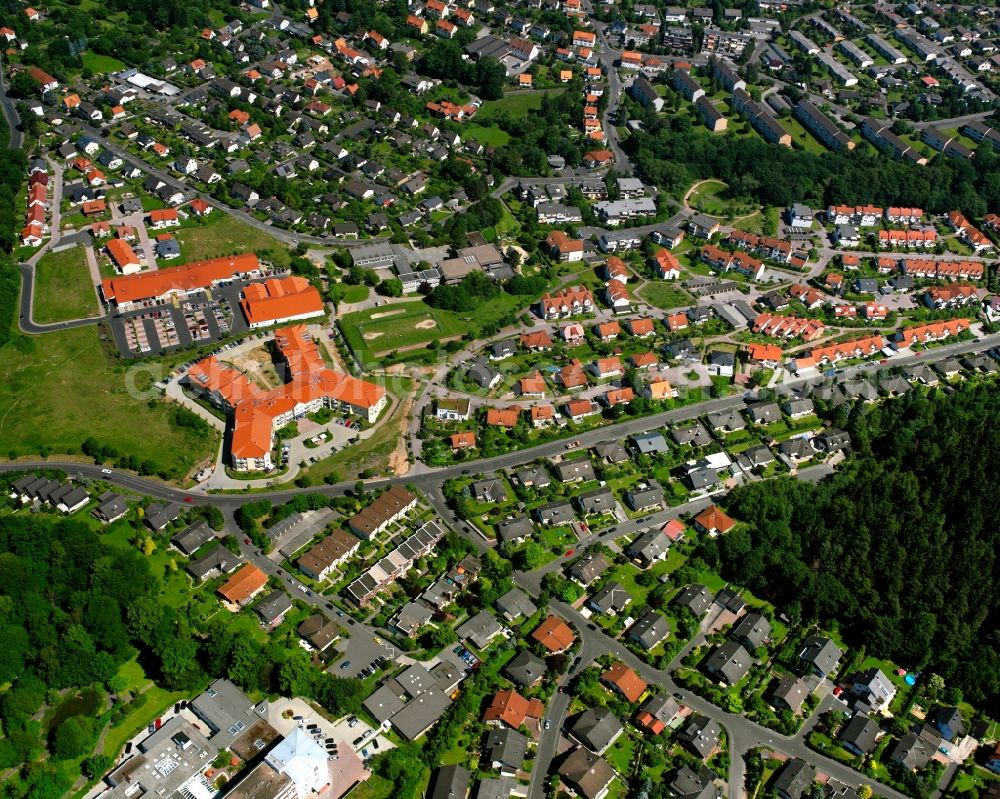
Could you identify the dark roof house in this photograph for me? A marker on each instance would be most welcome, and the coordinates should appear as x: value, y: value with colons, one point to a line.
x: 729, y: 662
x: 820, y: 654
x: 596, y: 728
x: 700, y: 735
x: 795, y: 779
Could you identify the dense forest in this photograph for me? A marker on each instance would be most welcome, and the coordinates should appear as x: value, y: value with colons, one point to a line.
x: 899, y: 546
x: 64, y: 629
x: 671, y: 155
x: 75, y: 611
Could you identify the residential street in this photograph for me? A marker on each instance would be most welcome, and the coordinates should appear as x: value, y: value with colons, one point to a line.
x: 375, y: 143
x: 11, y: 115
x: 433, y: 478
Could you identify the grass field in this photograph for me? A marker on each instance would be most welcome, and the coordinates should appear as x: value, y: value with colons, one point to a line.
x: 60, y: 388
x: 665, y: 295
x: 375, y: 787
x: 63, y: 289
x: 358, y: 293
x: 223, y: 235
x: 711, y: 197
x: 803, y: 137
x: 507, y: 226
x: 99, y: 64
x: 488, y: 136
x: 396, y: 326
x: 708, y: 197
x: 514, y: 104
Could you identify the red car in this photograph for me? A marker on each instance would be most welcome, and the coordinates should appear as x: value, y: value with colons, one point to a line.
x: 189, y: 499
x: 569, y: 552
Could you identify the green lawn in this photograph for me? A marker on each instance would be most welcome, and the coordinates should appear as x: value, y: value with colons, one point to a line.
x: 514, y: 104
x: 620, y: 754
x: 664, y: 294
x: 803, y: 136
x: 223, y: 235
x: 888, y: 668
x: 412, y: 324
x: 134, y: 673
x: 354, y: 294
x: 99, y: 64
x: 507, y: 223
x: 708, y: 198
x: 489, y: 136
x: 506, y: 227
x: 60, y: 388
x: 157, y: 701
x: 375, y: 787
x: 63, y: 289
x: 711, y: 580
x: 626, y: 574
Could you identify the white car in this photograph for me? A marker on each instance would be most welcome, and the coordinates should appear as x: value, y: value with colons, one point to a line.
x: 105, y: 471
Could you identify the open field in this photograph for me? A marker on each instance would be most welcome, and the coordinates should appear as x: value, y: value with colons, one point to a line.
x: 802, y: 136
x: 665, y: 295
x: 223, y: 235
x: 487, y: 135
x: 514, y: 104
x: 62, y: 287
x: 409, y: 325
x: 507, y: 226
x: 712, y: 197
x: 707, y: 197
x: 392, y: 327
x: 375, y: 787
x: 99, y: 64
x: 61, y: 388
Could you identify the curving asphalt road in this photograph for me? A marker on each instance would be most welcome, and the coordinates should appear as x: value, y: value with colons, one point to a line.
x: 432, y: 478
x: 26, y: 321
x: 743, y: 734
x: 11, y: 115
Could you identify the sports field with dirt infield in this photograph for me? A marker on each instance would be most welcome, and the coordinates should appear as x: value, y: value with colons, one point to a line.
x: 399, y: 326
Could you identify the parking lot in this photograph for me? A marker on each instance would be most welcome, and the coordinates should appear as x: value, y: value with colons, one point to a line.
x: 360, y: 651
x: 161, y: 327
x: 342, y: 738
x: 328, y: 438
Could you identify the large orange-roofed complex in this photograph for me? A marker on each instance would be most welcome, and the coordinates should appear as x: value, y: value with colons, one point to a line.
x: 131, y: 291
x: 287, y: 299
x: 257, y: 413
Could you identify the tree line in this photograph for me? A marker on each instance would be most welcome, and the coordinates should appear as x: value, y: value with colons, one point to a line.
x: 899, y: 546
x: 672, y: 156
